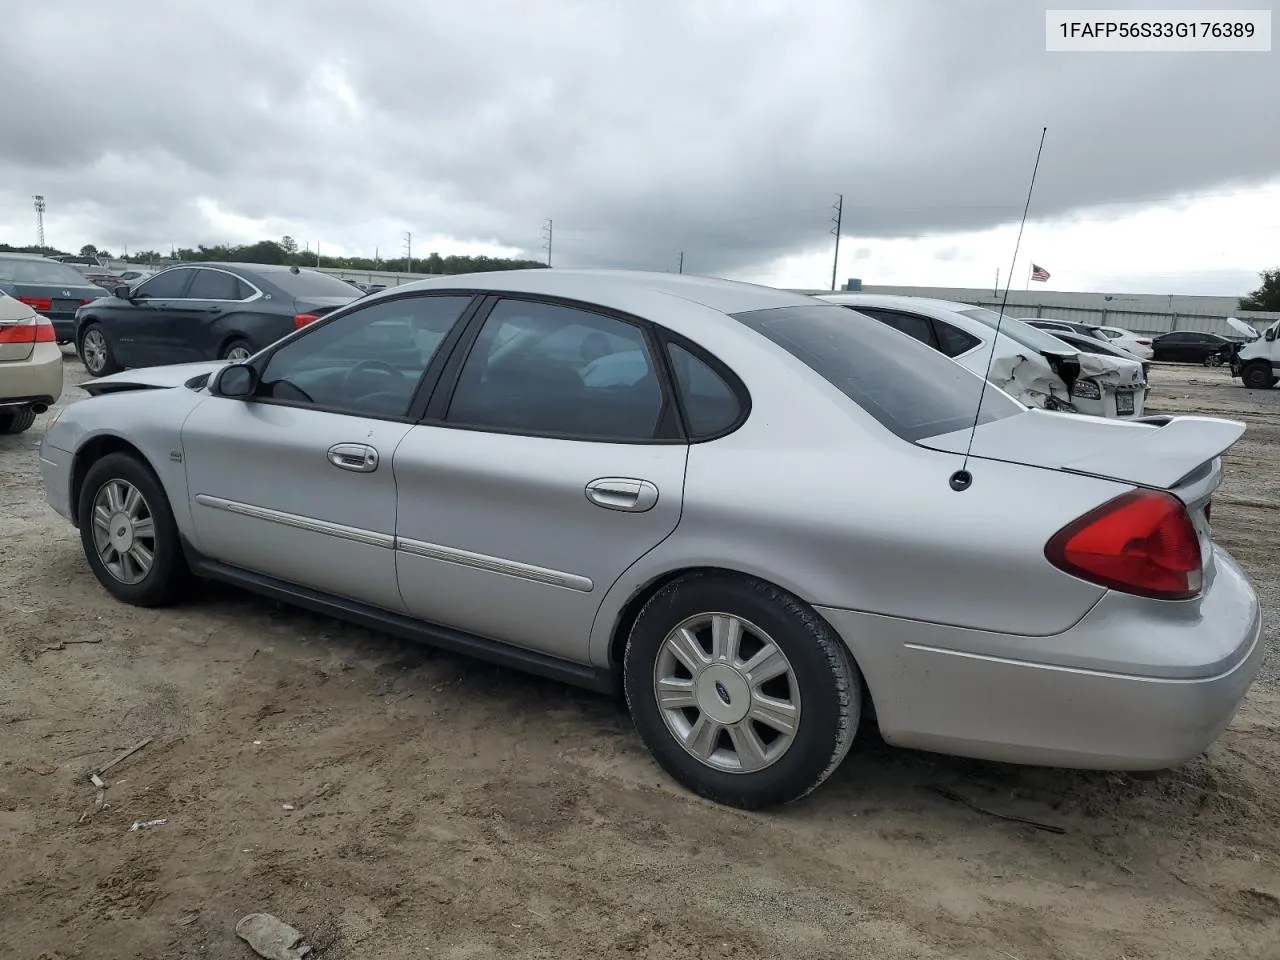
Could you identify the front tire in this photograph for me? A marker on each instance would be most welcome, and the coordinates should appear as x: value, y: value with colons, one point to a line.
x: 96, y: 354
x: 740, y: 690
x: 17, y: 421
x: 1258, y: 376
x: 128, y: 532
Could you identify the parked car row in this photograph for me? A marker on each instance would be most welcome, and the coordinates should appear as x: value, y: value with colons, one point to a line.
x: 758, y: 515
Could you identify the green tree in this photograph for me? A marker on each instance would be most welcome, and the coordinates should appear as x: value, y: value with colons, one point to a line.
x: 88, y: 250
x: 1267, y: 296
x: 288, y: 245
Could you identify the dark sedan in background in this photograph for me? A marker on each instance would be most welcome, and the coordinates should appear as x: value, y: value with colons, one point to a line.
x: 48, y: 287
x: 1187, y: 346
x: 203, y: 311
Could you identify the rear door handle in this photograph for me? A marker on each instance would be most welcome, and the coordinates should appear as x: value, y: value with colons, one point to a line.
x: 622, y: 493
x: 356, y: 457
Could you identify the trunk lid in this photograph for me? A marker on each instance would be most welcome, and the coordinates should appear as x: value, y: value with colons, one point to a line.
x: 319, y: 306
x: 1165, y: 453
x: 16, y: 320
x: 53, y: 299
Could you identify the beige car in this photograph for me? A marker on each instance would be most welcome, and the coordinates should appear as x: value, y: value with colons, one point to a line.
x: 30, y: 365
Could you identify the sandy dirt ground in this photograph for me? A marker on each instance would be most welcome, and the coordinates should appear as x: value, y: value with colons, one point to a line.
x: 394, y: 802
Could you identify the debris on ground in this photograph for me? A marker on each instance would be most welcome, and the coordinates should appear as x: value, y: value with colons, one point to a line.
x: 146, y: 824
x: 124, y: 756
x: 271, y: 937
x: 63, y: 644
x: 952, y: 795
x: 43, y: 769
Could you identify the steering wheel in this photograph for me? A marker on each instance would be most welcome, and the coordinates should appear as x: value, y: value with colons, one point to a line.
x: 370, y: 366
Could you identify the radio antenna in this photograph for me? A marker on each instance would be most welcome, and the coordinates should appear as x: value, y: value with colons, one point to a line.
x: 962, y: 479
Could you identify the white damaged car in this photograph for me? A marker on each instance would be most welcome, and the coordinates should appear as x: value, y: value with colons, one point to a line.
x: 1032, y: 365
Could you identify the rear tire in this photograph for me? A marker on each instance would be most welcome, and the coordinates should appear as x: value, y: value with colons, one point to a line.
x: 95, y: 352
x: 237, y: 351
x: 125, y: 519
x: 790, y: 668
x: 1258, y: 376
x: 17, y: 421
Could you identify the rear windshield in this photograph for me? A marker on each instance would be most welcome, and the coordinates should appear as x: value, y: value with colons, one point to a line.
x: 311, y: 283
x: 1033, y: 338
x: 17, y: 270
x: 907, y: 386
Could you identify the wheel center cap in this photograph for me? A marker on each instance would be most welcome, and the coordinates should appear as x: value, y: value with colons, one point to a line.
x: 723, y: 694
x: 121, y: 531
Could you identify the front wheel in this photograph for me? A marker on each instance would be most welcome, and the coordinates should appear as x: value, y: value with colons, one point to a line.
x: 128, y: 532
x: 740, y: 690
x: 1258, y: 376
x: 96, y: 354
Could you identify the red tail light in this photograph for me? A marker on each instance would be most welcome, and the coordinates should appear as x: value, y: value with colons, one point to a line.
x: 38, y: 304
x: 300, y: 320
x: 37, y: 330
x: 1142, y: 542
x: 1145, y: 343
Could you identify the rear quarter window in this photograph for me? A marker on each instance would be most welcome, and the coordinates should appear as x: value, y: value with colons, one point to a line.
x: 908, y: 387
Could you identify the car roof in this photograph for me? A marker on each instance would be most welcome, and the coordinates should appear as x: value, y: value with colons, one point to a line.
x: 895, y: 299
x: 14, y: 255
x: 617, y: 288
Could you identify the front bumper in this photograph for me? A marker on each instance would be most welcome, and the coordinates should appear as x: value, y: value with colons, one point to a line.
x: 55, y: 470
x: 1129, y: 687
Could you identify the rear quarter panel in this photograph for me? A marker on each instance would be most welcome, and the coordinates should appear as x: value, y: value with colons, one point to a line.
x: 261, y: 328
x: 813, y: 495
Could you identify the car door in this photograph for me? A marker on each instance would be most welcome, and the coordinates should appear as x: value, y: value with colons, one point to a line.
x: 141, y: 332
x: 550, y: 461
x: 296, y: 482
x: 192, y: 332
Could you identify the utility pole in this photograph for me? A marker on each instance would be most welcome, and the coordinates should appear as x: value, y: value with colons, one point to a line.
x: 682, y: 261
x: 317, y: 253
x: 547, y: 234
x: 408, y: 252
x: 837, y: 219
x: 40, y: 207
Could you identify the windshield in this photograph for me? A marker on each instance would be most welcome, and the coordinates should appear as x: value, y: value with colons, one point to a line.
x: 18, y: 270
x: 1023, y: 333
x: 306, y: 284
x: 907, y: 386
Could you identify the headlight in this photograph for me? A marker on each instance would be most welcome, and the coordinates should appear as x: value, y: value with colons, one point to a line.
x: 1086, y: 390
x: 53, y: 418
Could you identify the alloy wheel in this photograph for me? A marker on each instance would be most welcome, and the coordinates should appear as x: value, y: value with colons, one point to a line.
x: 238, y: 355
x: 727, y: 693
x: 124, y: 531
x: 93, y: 351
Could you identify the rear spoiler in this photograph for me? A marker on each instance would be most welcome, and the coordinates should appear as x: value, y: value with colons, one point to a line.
x: 1165, y: 456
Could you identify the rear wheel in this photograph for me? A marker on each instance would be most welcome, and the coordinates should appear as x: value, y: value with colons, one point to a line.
x: 16, y: 421
x: 1258, y: 376
x: 740, y: 690
x: 128, y: 532
x: 95, y: 353
x: 237, y: 351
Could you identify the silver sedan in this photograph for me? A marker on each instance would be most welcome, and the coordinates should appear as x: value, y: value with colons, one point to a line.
x: 761, y: 517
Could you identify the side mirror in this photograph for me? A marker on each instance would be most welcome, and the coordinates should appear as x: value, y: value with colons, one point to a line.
x: 121, y: 291
x: 235, y: 381
x: 1271, y: 335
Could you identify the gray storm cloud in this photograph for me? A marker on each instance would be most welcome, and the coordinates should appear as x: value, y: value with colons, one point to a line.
x: 723, y: 129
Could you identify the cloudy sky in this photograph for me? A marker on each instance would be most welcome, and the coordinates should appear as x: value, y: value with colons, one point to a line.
x: 723, y: 128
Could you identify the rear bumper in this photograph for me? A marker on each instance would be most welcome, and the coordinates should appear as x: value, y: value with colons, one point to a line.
x: 38, y: 379
x: 64, y: 325
x: 970, y: 693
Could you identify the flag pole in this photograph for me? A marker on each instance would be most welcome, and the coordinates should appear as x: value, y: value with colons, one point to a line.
x: 1028, y: 284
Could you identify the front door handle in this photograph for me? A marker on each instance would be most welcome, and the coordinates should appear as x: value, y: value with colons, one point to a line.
x: 356, y: 457
x: 622, y: 493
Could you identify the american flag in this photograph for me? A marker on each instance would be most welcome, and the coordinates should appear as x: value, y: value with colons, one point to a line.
x: 1039, y: 273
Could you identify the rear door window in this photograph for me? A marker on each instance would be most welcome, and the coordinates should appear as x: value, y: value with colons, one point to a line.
x: 913, y: 325
x: 910, y: 388
x: 215, y: 285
